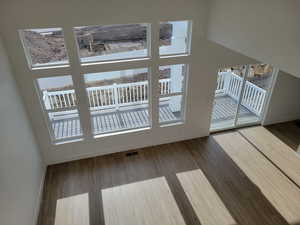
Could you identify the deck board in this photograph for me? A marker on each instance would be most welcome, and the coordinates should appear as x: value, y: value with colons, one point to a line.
x: 105, y: 122
x: 225, y: 108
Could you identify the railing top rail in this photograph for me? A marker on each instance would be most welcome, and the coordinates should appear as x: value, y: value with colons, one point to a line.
x: 256, y: 87
x: 104, y: 87
x: 70, y: 91
x: 240, y: 78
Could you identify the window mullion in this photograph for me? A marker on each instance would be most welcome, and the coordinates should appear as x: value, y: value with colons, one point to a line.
x: 154, y: 77
x: 78, y: 80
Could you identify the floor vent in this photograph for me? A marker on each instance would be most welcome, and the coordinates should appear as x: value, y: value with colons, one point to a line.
x: 131, y: 154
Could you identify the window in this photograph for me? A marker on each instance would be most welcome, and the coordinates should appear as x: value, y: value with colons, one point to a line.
x: 60, y: 105
x: 174, y: 38
x: 172, y: 79
x: 112, y: 42
x: 118, y: 100
x: 44, y: 47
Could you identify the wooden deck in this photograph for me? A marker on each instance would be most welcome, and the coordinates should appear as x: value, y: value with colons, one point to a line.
x: 224, y: 112
x: 105, y: 122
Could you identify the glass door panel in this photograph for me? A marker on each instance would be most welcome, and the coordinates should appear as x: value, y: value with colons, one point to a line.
x: 257, y: 82
x: 229, y: 87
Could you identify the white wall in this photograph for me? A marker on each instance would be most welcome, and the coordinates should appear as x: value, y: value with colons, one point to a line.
x: 285, y: 100
x: 21, y: 168
x: 205, y: 60
x: 266, y: 30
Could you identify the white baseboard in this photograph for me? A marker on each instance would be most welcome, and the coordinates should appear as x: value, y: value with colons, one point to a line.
x: 282, y: 119
x: 39, y: 197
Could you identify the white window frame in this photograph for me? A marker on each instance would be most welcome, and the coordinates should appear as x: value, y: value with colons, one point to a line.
x: 44, y: 65
x: 182, y: 93
x: 189, y: 41
x: 77, y: 69
x: 95, y: 135
x: 147, y: 57
x: 46, y: 111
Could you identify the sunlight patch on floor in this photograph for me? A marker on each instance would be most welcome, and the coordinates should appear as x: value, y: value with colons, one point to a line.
x: 283, y: 194
x: 146, y: 202
x: 205, y: 201
x: 73, y: 210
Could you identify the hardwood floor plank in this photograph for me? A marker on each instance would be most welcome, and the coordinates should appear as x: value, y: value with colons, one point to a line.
x: 278, y: 152
x: 243, y: 199
x: 166, y: 167
x: 288, y: 132
x: 276, y: 187
x: 73, y: 210
x: 145, y: 202
x: 205, y: 201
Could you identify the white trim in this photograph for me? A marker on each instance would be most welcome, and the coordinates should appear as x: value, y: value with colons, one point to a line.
x: 269, y: 95
x: 125, y: 131
x: 115, y: 61
x: 39, y: 198
x: 265, y: 101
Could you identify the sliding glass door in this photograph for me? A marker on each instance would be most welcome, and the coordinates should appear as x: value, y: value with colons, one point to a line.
x: 240, y: 96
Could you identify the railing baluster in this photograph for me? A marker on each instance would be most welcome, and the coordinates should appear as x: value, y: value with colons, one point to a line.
x: 107, y: 94
x: 60, y: 101
x: 257, y: 101
x: 72, y: 98
x: 89, y: 98
x: 93, y: 97
x: 255, y: 98
x: 252, y: 97
x: 98, y: 97
x: 119, y: 94
x: 134, y: 95
x: 122, y: 97
x: 64, y: 99
x: 140, y: 93
x: 130, y: 95
x: 51, y: 101
x: 68, y: 97
x: 248, y: 95
x: 127, y: 96
x: 56, y: 102
x: 102, y: 97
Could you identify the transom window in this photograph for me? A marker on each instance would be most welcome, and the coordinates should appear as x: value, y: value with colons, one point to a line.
x: 44, y: 47
x: 112, y: 42
x: 174, y: 38
x: 117, y: 98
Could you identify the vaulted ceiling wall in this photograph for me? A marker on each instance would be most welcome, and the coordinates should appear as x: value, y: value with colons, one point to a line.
x: 268, y: 31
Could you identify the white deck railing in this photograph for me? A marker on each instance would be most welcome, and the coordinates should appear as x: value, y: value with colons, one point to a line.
x: 102, y: 97
x: 127, y: 94
x: 231, y: 84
